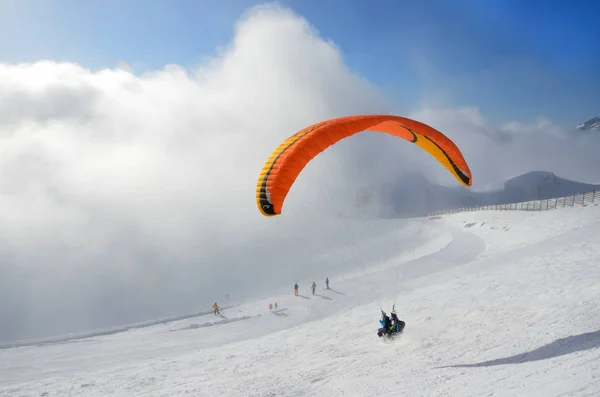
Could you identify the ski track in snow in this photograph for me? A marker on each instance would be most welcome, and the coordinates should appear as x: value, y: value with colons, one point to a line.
x: 496, y: 304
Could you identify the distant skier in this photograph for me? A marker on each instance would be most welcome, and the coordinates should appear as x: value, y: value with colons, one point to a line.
x: 296, y: 289
x: 314, y: 286
x: 327, y: 282
x: 216, y: 309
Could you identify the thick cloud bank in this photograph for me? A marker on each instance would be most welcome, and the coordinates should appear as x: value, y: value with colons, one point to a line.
x: 496, y: 153
x: 125, y: 197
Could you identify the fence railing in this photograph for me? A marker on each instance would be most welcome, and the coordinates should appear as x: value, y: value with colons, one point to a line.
x: 535, y: 205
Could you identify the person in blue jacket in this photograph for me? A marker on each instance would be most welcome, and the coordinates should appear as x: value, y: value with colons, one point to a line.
x: 386, y: 324
x: 390, y: 326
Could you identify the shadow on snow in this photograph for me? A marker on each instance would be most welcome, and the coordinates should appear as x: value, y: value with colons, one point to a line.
x: 560, y: 347
x: 279, y: 312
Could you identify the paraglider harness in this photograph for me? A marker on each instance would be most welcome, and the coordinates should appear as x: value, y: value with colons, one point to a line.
x: 390, y: 327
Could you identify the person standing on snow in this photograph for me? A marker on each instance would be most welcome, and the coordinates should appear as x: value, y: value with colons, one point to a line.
x: 216, y: 309
x: 314, y: 286
x: 296, y: 289
x: 327, y: 282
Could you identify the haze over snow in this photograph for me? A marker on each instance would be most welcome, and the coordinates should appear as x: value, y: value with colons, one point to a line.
x: 127, y: 197
x: 495, y: 302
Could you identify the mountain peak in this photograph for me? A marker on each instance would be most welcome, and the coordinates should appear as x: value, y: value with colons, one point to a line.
x: 592, y: 124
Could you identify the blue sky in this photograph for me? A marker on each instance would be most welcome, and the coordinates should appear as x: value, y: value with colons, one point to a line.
x: 515, y: 60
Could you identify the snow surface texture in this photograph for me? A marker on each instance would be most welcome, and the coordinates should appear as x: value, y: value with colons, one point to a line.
x: 496, y: 303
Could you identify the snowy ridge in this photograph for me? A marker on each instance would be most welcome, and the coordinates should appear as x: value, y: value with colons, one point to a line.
x: 592, y: 124
x: 504, y: 304
x: 99, y: 332
x: 582, y: 199
x: 425, y: 196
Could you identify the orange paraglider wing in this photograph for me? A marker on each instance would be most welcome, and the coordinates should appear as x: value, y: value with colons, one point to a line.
x: 289, y: 159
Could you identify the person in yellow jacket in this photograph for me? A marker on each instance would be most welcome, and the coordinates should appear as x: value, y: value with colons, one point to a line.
x: 216, y: 309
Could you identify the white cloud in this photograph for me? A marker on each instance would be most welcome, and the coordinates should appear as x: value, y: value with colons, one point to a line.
x: 126, y: 196
x: 140, y: 190
x: 496, y: 152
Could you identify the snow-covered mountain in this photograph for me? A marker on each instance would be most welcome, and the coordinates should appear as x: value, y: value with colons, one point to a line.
x: 590, y: 125
x: 541, y: 185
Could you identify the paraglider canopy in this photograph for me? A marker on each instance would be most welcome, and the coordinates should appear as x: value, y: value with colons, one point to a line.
x: 287, y: 161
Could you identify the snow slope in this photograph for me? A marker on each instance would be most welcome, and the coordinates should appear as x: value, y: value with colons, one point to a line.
x: 496, y: 303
